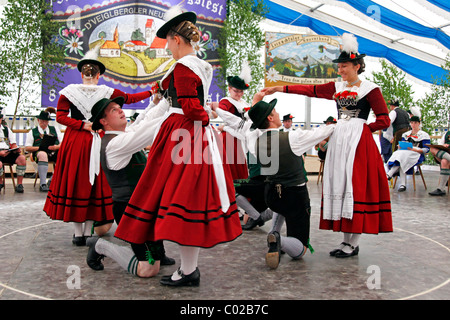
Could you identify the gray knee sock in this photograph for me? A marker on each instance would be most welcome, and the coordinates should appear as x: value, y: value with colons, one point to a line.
x: 292, y: 246
x: 277, y: 222
x: 243, y: 203
x: 443, y: 178
x: 42, y: 170
x: 124, y: 256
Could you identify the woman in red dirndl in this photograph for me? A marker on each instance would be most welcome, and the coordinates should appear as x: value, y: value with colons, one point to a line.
x: 79, y: 191
x: 185, y: 194
x: 355, y: 196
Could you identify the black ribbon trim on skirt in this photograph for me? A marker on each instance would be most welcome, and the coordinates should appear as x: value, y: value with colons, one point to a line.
x: 224, y: 216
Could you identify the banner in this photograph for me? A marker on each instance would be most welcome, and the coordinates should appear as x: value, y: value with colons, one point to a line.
x: 125, y: 32
x: 300, y: 59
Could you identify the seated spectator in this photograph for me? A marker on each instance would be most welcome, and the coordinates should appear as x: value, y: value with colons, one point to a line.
x: 321, y: 147
x: 43, y: 154
x: 443, y: 157
x: 10, y: 153
x: 404, y: 160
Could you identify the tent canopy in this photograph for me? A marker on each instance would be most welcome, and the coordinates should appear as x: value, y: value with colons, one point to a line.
x: 415, y: 38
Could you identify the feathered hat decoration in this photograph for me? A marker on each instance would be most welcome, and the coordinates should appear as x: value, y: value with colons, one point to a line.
x: 91, y: 57
x: 416, y: 114
x: 242, y: 81
x: 349, y: 49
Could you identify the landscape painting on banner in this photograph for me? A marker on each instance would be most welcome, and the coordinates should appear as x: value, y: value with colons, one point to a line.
x: 124, y: 32
x: 300, y: 59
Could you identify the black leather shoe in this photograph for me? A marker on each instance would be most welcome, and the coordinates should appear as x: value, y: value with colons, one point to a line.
x: 342, y: 254
x: 43, y: 188
x: 333, y: 252
x: 437, y: 192
x: 253, y: 223
x: 192, y: 279
x: 1, y: 186
x: 274, y: 253
x: 19, y: 188
x: 79, y: 241
x: 402, y: 188
x: 166, y: 261
x: 94, y: 259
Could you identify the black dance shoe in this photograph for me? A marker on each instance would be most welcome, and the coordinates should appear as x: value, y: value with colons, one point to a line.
x: 79, y: 241
x: 166, y: 261
x: 401, y: 188
x: 437, y: 192
x: 253, y: 223
x: 333, y: 252
x: 342, y: 254
x: 94, y: 259
x: 274, y: 253
x: 192, y: 279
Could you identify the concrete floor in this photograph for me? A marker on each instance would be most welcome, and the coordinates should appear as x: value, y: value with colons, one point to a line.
x: 38, y: 260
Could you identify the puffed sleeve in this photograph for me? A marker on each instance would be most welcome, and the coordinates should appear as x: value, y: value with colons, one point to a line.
x: 325, y: 91
x: 226, y: 105
x: 62, y: 114
x: 131, y: 97
x: 186, y: 83
x: 379, y: 107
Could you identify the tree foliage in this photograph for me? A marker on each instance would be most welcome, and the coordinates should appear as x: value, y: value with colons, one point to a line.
x: 435, y: 106
x: 393, y: 84
x: 242, y: 39
x: 30, y: 57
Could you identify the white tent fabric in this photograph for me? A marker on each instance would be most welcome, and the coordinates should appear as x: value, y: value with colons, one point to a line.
x: 413, y: 35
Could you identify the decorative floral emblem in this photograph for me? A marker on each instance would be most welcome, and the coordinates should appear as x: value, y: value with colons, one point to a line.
x: 273, y: 75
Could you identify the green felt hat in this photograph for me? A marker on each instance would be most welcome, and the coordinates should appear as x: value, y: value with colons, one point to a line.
x: 99, y: 107
x: 260, y: 111
x: 237, y: 82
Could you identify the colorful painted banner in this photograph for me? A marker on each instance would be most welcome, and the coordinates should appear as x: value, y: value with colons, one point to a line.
x: 300, y: 59
x: 125, y: 32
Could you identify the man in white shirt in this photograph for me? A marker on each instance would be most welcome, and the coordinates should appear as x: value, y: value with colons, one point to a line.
x: 42, y: 155
x: 123, y: 162
x: 280, y: 155
x: 287, y: 123
x: 10, y: 153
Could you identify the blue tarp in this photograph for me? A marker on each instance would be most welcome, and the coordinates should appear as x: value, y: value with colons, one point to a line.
x: 443, y: 4
x: 420, y: 69
x: 399, y: 22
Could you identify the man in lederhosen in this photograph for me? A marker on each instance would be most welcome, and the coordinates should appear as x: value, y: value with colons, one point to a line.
x: 280, y: 156
x: 40, y: 153
x: 123, y: 161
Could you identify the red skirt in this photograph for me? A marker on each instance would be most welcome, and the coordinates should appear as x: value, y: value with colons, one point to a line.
x: 177, y: 198
x: 372, y: 204
x: 71, y: 197
x: 234, y: 156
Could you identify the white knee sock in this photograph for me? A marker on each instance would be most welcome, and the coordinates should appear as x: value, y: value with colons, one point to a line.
x: 402, y: 178
x: 78, y: 229
x: 189, y: 261
x: 88, y: 228
x: 393, y: 171
x: 353, y: 240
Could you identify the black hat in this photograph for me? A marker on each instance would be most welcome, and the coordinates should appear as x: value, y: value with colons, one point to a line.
x: 99, y: 107
x: 330, y: 119
x: 175, y: 21
x: 414, y: 118
x: 134, y: 116
x: 394, y: 102
x: 237, y: 82
x: 288, y: 117
x: 44, y: 115
x: 91, y: 57
x: 259, y: 112
x: 345, y: 57
x: 350, y: 49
